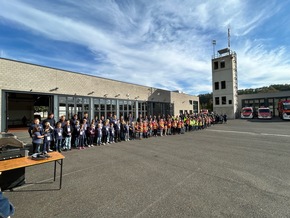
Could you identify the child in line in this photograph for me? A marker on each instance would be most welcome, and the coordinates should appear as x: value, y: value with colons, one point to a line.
x: 112, y: 133
x: 82, y: 137
x: 47, y: 137
x: 126, y: 131
x: 36, y: 140
x: 99, y: 134
x: 67, y: 133
x: 91, y: 135
x: 76, y: 134
x: 132, y: 131
x: 58, y: 131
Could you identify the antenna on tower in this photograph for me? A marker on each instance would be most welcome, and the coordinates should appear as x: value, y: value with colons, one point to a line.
x: 213, y: 46
x: 229, y: 36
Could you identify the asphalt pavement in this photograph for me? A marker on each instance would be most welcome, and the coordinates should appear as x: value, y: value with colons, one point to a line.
x: 239, y: 169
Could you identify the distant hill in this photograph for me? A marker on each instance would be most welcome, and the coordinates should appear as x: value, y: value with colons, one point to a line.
x: 205, y: 100
x: 265, y: 89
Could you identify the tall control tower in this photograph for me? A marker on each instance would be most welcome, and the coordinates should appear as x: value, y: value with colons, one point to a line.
x: 225, y: 81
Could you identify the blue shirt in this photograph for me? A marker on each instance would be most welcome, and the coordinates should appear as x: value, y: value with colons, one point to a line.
x: 35, y: 138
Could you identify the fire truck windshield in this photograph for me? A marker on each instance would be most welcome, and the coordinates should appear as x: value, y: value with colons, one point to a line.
x: 247, y: 111
x: 264, y: 110
x: 286, y: 106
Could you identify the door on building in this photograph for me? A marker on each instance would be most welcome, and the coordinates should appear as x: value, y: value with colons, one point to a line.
x: 22, y: 108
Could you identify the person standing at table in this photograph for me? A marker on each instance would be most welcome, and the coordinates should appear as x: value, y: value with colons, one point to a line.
x: 35, y: 123
x: 36, y: 139
x: 51, y: 120
x: 48, y: 137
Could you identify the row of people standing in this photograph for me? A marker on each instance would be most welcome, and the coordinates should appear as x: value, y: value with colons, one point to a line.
x: 83, y: 133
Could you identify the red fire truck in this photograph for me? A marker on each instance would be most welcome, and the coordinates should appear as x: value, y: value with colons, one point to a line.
x: 247, y: 113
x: 284, y: 109
x: 264, y: 113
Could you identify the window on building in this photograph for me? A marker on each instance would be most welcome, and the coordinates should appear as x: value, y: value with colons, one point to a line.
x: 230, y: 101
x: 114, y: 106
x: 224, y: 100
x: 108, y: 105
x: 195, y: 106
x: 217, y: 100
x: 102, y: 104
x: 223, y: 84
x: 121, y: 105
x: 215, y: 65
x: 223, y: 64
x: 216, y: 86
x: 190, y: 102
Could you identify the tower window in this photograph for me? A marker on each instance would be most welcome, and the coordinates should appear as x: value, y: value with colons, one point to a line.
x: 215, y: 65
x: 217, y: 100
x: 224, y: 100
x: 223, y: 84
x: 223, y: 64
x: 230, y: 101
x: 216, y: 85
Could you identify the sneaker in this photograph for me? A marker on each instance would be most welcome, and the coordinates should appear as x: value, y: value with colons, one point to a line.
x: 50, y: 150
x: 89, y: 146
x: 79, y: 148
x: 92, y: 145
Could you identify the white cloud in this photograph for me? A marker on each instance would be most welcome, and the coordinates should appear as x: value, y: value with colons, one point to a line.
x: 155, y: 43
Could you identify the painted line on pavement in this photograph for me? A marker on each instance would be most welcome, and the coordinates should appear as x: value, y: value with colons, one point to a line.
x: 249, y: 133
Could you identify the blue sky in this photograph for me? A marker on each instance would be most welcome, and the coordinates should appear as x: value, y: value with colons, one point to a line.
x: 159, y: 43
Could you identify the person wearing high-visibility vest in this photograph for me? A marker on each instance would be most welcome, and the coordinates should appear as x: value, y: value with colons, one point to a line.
x: 145, y: 129
x: 169, y: 126
x: 174, y: 126
x: 150, y: 127
x: 186, y: 123
x: 165, y: 127
x: 161, y: 126
x: 155, y: 127
x: 196, y: 123
x: 137, y: 131
x: 191, y: 124
x: 179, y: 126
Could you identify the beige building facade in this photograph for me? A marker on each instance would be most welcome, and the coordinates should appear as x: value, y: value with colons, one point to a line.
x: 225, y: 83
x: 28, y: 88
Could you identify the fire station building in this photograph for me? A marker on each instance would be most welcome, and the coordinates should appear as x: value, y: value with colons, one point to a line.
x: 29, y: 90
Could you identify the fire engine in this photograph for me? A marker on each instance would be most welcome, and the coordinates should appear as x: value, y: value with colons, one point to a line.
x: 204, y: 111
x: 264, y: 113
x: 247, y: 113
x: 284, y: 109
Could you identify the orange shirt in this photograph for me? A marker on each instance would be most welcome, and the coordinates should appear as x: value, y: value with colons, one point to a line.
x: 179, y: 124
x: 165, y: 124
x: 145, y: 127
x: 161, y: 124
x: 155, y: 125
